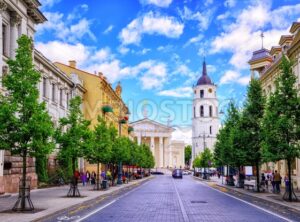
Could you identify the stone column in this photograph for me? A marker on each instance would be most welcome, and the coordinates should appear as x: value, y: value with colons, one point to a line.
x: 161, y: 152
x: 139, y: 139
x: 3, y: 7
x: 170, y: 153
x: 14, y: 22
x: 152, y: 145
x: 23, y: 27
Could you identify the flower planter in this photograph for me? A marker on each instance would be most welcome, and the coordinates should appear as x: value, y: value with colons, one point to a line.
x: 107, y: 109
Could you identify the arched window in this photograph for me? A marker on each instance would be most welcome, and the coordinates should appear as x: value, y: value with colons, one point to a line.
x: 210, y: 111
x: 210, y: 129
x: 201, y: 93
x: 194, y: 111
x: 201, y: 111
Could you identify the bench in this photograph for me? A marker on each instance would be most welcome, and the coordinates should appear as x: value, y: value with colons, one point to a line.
x: 249, y: 183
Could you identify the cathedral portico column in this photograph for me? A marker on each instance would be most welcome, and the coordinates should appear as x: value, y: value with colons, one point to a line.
x: 139, y: 139
x: 152, y: 145
x: 15, y: 21
x: 161, y: 152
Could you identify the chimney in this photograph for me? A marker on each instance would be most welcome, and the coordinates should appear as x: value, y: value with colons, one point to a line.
x: 72, y: 64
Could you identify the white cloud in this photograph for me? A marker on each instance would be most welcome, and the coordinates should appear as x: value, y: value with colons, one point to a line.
x: 230, y: 3
x: 180, y: 92
x: 242, y: 37
x: 108, y: 29
x: 150, y: 23
x: 123, y: 50
x: 208, y: 2
x: 49, y: 3
x: 211, y: 68
x: 223, y: 16
x: 232, y: 76
x: 203, y: 18
x: 159, y: 3
x: 63, y: 52
x: 194, y: 40
x: 66, y: 29
x: 183, y: 133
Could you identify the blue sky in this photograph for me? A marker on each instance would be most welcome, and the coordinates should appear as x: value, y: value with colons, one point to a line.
x: 156, y: 47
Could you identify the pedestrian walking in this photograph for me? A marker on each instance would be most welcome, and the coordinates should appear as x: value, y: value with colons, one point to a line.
x: 88, y: 177
x: 83, y: 178
x: 287, y: 183
x: 277, y: 180
x: 273, y: 182
x: 76, y: 176
x: 93, y: 178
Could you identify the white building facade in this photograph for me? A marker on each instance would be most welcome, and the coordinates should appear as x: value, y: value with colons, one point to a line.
x: 157, y: 136
x: 205, y: 121
x: 19, y: 17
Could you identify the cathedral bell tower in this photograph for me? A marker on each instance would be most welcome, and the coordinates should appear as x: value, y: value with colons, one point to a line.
x: 205, y: 121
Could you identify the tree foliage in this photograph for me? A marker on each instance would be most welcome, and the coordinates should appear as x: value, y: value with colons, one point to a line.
x: 187, y: 154
x: 225, y: 152
x: 281, y: 123
x: 73, y: 136
x: 26, y: 128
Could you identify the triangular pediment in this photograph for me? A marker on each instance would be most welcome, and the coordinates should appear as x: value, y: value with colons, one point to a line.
x: 150, y: 125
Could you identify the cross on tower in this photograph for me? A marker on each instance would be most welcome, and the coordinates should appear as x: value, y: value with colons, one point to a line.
x: 262, y: 39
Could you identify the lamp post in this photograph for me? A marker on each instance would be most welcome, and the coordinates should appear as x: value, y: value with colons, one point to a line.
x: 122, y: 120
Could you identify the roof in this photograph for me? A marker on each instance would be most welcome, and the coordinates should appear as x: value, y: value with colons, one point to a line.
x: 260, y: 54
x: 204, y: 79
x: 285, y: 38
x: 152, y: 121
x: 275, y: 49
x: 294, y: 27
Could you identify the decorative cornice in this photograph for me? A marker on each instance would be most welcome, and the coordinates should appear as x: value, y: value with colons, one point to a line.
x: 15, y: 18
x: 3, y: 6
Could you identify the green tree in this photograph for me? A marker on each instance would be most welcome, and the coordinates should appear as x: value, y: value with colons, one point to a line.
x: 247, y: 142
x: 73, y: 137
x: 187, y: 154
x: 100, y: 149
x: 206, y: 158
x: 25, y: 126
x: 196, y: 162
x: 120, y: 151
x: 281, y: 123
x: 224, y: 152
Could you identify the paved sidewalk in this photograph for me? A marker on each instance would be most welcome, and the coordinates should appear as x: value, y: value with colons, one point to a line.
x: 267, y: 196
x: 54, y: 199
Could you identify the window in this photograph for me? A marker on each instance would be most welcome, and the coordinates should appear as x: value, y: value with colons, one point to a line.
x: 194, y: 111
x: 210, y: 129
x: 201, y: 93
x: 210, y: 111
x: 217, y: 113
x: 61, y: 97
x: 67, y: 100
x: 53, y: 92
x: 44, y: 87
x: 201, y: 111
x: 4, y: 38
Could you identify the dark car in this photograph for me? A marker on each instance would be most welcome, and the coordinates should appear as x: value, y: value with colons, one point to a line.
x: 177, y: 173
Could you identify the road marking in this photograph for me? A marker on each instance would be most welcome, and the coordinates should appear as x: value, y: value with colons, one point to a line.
x: 110, y: 203
x: 253, y: 205
x: 183, y: 211
x: 95, y: 211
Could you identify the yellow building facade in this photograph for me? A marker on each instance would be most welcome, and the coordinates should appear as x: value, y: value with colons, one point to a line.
x: 100, y: 99
x: 265, y: 63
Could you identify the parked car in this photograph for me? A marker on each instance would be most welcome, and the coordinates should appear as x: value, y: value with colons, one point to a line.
x: 177, y: 173
x: 185, y: 172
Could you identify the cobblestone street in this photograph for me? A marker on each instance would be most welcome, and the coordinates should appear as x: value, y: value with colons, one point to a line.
x: 166, y: 199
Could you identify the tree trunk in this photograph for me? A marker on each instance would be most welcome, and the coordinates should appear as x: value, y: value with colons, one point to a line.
x: 257, y: 177
x: 113, y: 175
x: 23, y: 203
x: 74, y: 177
x: 97, y: 176
x: 290, y: 179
